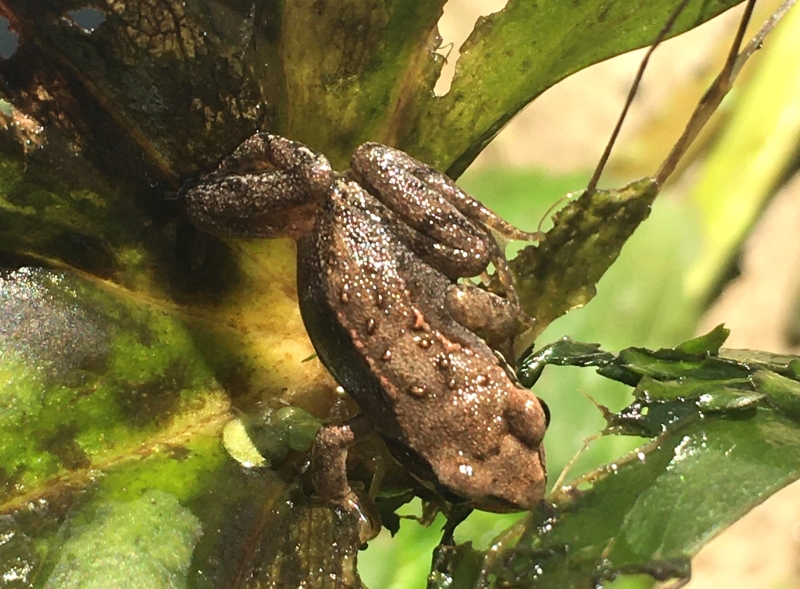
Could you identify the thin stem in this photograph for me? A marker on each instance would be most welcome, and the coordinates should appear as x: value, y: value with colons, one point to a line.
x: 721, y: 85
x: 598, y: 171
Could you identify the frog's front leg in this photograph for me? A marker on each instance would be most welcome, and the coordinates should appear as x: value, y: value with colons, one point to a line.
x: 269, y: 187
x: 457, y: 225
x: 329, y: 473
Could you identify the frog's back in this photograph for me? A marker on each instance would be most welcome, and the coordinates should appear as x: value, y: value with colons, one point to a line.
x: 376, y: 315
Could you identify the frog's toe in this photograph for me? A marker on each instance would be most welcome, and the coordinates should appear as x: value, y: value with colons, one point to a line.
x: 362, y: 514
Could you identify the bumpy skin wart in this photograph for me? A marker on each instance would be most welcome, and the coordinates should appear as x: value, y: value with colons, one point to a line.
x: 377, y: 263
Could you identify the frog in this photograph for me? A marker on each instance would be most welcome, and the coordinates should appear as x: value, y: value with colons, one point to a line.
x: 381, y: 251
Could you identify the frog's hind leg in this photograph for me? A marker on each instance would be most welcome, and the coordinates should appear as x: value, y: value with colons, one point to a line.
x: 494, y: 225
x: 473, y: 209
x: 442, y: 184
x: 464, y: 235
x: 493, y: 318
x: 266, y: 204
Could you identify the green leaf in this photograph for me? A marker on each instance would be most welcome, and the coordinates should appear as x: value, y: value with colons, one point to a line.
x: 90, y: 380
x: 718, y: 448
x: 658, y: 506
x: 332, y: 75
x: 155, y: 533
x: 783, y: 393
x: 560, y: 273
x: 514, y: 55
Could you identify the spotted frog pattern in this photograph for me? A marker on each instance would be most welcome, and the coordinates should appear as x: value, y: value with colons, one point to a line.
x: 379, y: 251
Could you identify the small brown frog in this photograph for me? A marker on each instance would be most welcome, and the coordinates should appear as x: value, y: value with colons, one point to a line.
x: 380, y: 249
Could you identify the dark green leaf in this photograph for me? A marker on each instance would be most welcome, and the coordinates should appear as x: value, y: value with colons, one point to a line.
x: 659, y: 505
x: 709, y: 343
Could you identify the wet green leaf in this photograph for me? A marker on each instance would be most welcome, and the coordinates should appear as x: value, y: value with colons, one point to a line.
x: 90, y: 379
x: 658, y: 506
x: 783, y: 393
x: 709, y: 343
x: 560, y: 273
x: 718, y: 448
x: 110, y: 423
x: 564, y: 352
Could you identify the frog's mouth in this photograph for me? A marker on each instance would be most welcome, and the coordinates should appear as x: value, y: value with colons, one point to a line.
x: 421, y: 470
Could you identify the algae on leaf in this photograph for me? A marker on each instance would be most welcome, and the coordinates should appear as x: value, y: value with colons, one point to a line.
x: 150, y: 539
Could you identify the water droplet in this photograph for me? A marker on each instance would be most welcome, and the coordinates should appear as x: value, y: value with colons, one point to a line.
x: 387, y: 355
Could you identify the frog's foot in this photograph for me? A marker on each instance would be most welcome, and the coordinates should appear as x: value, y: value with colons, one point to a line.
x: 506, y: 278
x: 493, y: 318
x: 363, y: 515
x: 329, y: 476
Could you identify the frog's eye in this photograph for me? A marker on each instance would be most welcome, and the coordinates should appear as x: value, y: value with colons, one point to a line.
x: 546, y: 410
